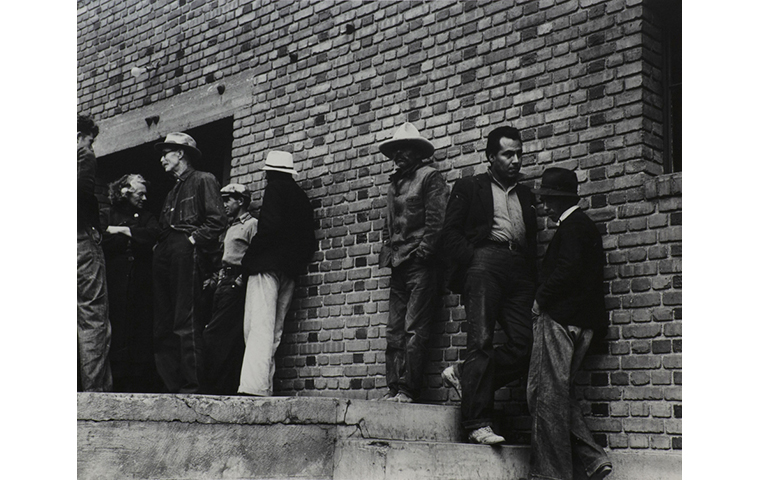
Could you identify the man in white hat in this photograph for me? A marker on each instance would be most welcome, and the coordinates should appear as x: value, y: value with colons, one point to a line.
x: 416, y: 205
x: 191, y: 221
x: 223, y: 343
x: 281, y: 249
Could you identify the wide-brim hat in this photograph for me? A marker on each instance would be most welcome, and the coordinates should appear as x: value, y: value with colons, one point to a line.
x: 558, y: 182
x: 279, y: 161
x: 407, y: 136
x: 180, y: 140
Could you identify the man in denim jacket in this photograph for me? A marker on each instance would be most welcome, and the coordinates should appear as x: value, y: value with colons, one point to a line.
x: 191, y: 221
x: 417, y: 198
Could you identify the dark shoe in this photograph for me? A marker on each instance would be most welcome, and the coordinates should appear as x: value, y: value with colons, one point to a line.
x: 486, y: 436
x: 450, y: 377
x: 601, y: 472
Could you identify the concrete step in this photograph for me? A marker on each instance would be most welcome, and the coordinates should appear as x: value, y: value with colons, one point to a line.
x: 143, y: 436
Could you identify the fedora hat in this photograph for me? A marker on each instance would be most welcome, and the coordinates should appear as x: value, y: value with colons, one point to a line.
x: 558, y: 182
x: 279, y: 161
x: 407, y: 136
x: 180, y: 140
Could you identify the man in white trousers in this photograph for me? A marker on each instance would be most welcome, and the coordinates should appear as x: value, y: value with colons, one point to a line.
x: 282, y: 247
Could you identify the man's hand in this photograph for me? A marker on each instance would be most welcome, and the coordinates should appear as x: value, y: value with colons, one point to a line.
x: 536, y: 310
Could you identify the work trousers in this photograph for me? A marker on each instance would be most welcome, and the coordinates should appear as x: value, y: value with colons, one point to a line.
x: 559, y: 432
x: 498, y: 288
x: 93, y: 326
x: 177, y: 327
x: 268, y: 296
x: 414, y: 296
x: 223, y: 341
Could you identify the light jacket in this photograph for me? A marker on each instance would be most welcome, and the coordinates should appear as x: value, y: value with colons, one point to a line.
x: 414, y: 216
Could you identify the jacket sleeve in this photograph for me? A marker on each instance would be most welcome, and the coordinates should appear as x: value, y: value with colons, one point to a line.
x: 435, y: 196
x: 214, y: 219
x: 455, y: 243
x: 145, y: 233
x: 567, y: 270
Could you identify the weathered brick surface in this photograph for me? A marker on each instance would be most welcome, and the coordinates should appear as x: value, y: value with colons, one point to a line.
x: 329, y: 80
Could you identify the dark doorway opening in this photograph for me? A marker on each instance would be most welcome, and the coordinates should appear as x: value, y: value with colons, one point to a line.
x: 214, y: 140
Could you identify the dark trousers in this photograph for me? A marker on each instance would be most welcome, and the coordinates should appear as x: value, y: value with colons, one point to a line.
x: 414, y: 296
x: 223, y: 341
x: 178, y: 327
x: 561, y: 443
x: 498, y: 288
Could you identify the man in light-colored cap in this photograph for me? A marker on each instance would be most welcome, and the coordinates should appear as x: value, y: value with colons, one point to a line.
x: 281, y: 249
x: 191, y: 221
x: 223, y: 342
x: 416, y: 205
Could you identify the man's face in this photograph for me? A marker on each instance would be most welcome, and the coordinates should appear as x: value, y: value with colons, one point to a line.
x: 553, y: 206
x: 405, y: 158
x: 170, y: 159
x: 506, y: 163
x: 138, y: 195
x: 232, y: 206
x: 85, y: 140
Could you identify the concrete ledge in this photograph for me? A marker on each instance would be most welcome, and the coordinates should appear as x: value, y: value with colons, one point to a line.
x: 196, y: 436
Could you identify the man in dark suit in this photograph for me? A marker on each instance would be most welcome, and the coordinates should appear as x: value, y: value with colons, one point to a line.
x: 489, y: 235
x: 569, y: 307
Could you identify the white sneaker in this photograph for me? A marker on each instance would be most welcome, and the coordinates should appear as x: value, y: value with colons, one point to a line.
x: 486, y: 436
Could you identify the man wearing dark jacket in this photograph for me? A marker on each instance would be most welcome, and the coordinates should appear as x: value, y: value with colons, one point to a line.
x: 490, y: 236
x: 282, y: 247
x: 569, y: 307
x: 93, y: 325
x: 190, y: 224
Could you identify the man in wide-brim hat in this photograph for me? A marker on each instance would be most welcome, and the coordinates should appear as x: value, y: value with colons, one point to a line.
x: 568, y: 309
x: 191, y: 221
x: 417, y: 197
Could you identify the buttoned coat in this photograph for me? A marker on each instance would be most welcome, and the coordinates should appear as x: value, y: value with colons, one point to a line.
x: 414, y: 216
x: 468, y: 222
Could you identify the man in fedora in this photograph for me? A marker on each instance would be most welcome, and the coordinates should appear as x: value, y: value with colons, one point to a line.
x: 568, y: 309
x: 490, y: 237
x: 414, y: 216
x: 281, y: 249
x: 223, y: 342
x: 191, y: 221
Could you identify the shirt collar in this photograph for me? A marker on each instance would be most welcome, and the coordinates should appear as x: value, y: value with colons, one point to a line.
x: 183, y: 176
x: 567, y: 213
x: 242, y: 218
x: 501, y: 185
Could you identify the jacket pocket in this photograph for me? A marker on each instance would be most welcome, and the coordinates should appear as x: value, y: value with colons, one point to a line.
x: 188, y: 210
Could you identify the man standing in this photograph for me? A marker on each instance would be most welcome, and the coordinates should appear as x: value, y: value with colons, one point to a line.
x: 490, y: 236
x: 93, y: 326
x: 282, y: 247
x: 414, y: 217
x: 223, y: 341
x: 569, y: 307
x: 191, y: 221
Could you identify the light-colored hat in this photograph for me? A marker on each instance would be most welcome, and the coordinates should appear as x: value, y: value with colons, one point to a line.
x: 279, y: 161
x: 181, y: 140
x: 234, y: 189
x: 407, y: 136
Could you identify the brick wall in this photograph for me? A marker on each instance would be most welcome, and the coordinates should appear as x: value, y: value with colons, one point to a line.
x: 330, y: 80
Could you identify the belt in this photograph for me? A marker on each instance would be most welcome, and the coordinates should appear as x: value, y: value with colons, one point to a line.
x: 508, y: 244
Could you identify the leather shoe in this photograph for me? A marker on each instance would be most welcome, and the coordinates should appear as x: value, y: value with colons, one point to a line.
x: 402, y: 397
x: 601, y: 472
x: 486, y: 436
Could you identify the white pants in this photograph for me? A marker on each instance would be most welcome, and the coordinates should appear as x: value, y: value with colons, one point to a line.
x: 267, y: 300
